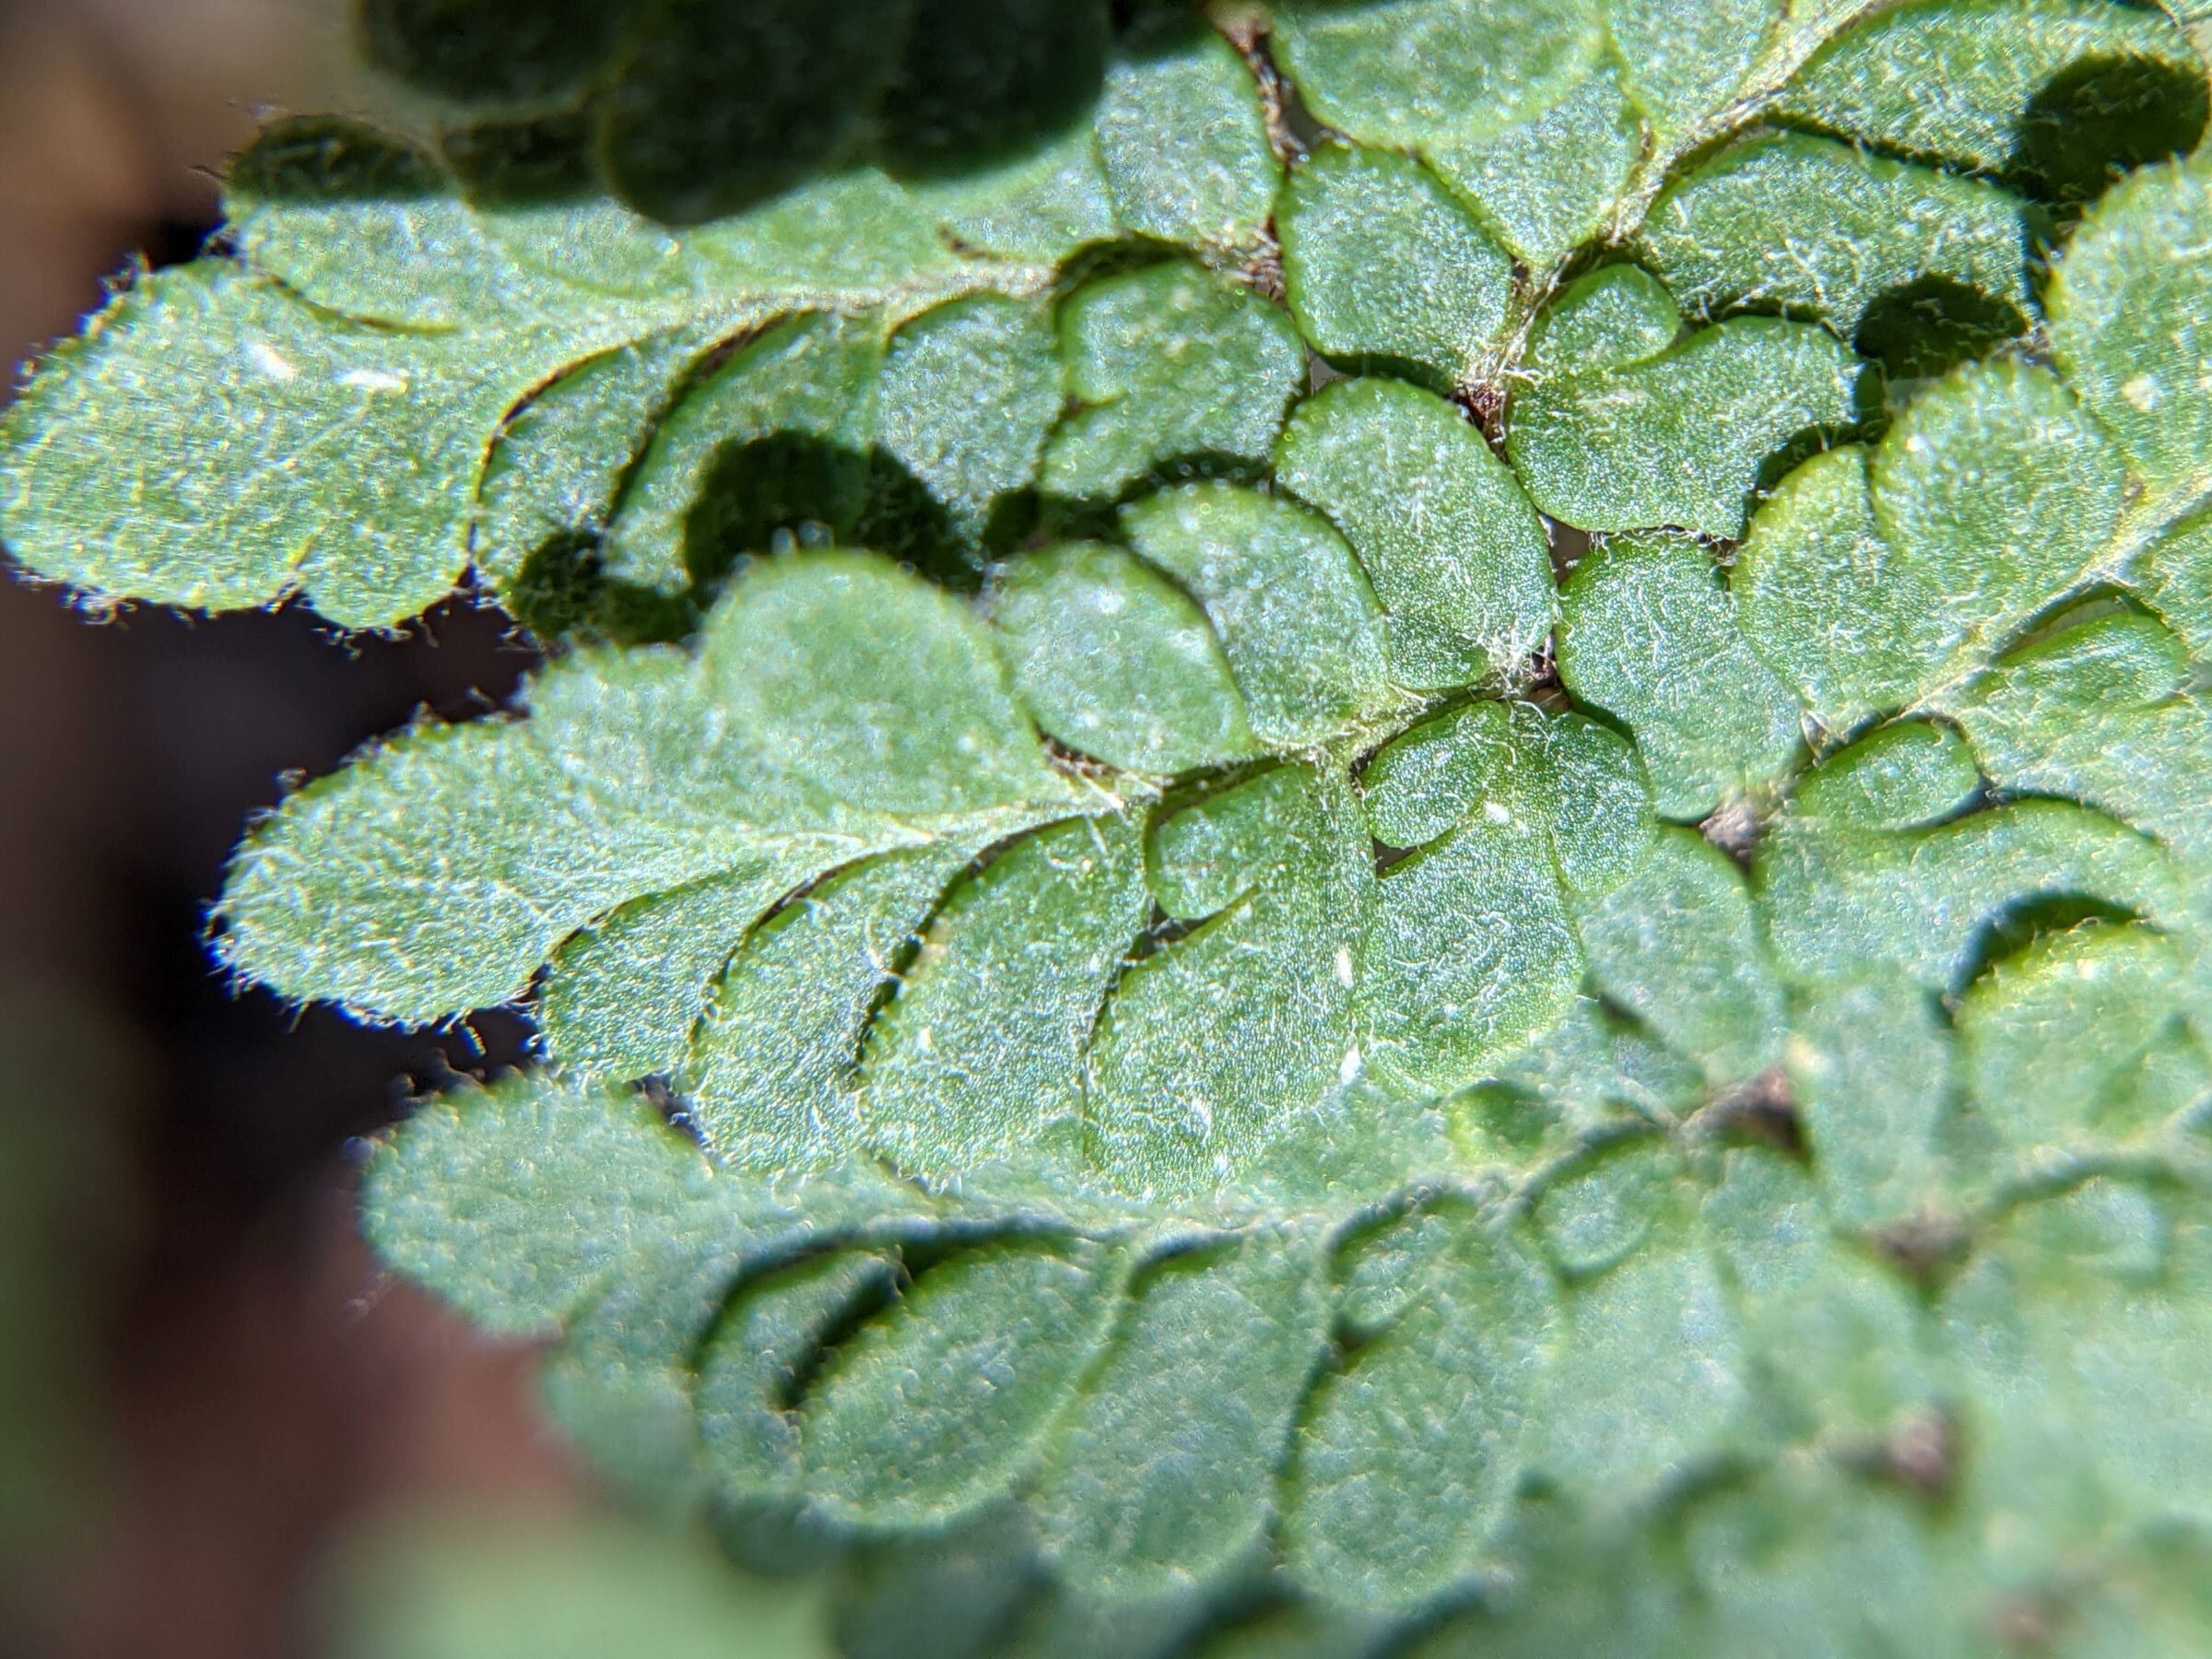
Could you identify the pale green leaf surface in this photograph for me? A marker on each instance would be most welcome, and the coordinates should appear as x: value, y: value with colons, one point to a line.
x: 1591, y: 1217
x: 1365, y: 69
x: 1169, y: 365
x: 1118, y: 663
x: 334, y: 211
x: 1413, y: 1447
x: 2084, y: 1345
x: 1958, y: 81
x: 970, y: 393
x: 1471, y: 953
x: 2128, y: 305
x: 855, y: 238
x: 106, y: 484
x: 435, y: 945
x: 2001, y: 490
x: 1215, y: 1046
x: 978, y: 1059
x: 2177, y: 578
x: 749, y: 1369
x: 1869, y: 1067
x: 1595, y: 789
x: 1295, y: 613
x: 1840, y: 1342
x: 1843, y: 903
x: 2101, y: 711
x: 1900, y: 776
x: 1681, y: 439
x: 1869, y: 578
x: 1648, y: 633
x: 1815, y: 230
x: 939, y: 1595
x: 1685, y: 58
x: 621, y: 1381
x: 1617, y: 316
x: 518, y: 1203
x: 360, y: 491
x: 772, y: 1071
x: 1563, y: 776
x: 1799, y: 1548
x: 1456, y: 555
x: 2056, y: 1042
x: 557, y: 468
x: 1549, y: 182
x: 807, y: 720
x: 1071, y: 1626
x: 862, y: 681
x: 1437, y: 304
x: 934, y: 1406
x: 1680, y: 947
x: 619, y: 998
x: 1848, y: 618
x: 1425, y: 781
x: 1600, y: 1069
x: 1603, y: 1598
x: 606, y: 251
x: 1384, y: 1265
x: 1306, y: 940
x: 1166, y: 1476
x: 1039, y: 207
x: 1183, y: 138
x: 1651, y: 1355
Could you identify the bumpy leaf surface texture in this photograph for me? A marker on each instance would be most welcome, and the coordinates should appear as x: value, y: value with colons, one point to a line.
x: 1355, y: 827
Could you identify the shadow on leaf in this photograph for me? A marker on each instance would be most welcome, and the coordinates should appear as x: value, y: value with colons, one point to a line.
x: 2101, y: 117
x: 782, y: 492
x: 1932, y: 324
x: 693, y: 110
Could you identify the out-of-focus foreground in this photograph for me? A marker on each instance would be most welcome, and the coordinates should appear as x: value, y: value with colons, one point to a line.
x: 204, y: 1393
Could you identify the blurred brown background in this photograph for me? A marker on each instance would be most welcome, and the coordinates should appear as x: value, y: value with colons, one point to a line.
x: 207, y: 1384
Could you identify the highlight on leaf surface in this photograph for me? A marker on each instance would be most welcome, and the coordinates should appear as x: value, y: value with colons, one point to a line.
x: 1342, y: 816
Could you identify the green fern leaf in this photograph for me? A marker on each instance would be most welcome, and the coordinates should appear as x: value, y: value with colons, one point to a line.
x: 1407, y: 802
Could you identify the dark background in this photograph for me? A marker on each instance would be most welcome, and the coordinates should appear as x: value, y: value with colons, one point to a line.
x: 209, y: 1384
